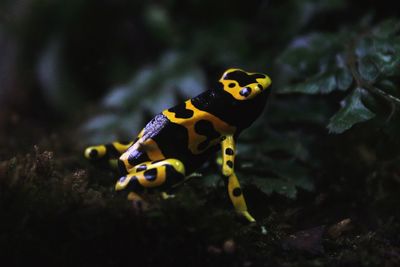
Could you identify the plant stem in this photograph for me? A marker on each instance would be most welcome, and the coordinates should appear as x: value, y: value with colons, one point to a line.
x: 352, y: 64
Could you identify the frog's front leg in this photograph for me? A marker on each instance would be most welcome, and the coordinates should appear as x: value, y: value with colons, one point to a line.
x: 152, y: 174
x: 231, y: 180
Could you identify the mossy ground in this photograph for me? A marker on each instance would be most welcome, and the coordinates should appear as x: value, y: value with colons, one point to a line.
x: 58, y: 209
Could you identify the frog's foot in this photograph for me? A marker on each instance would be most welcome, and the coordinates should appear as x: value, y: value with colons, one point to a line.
x: 138, y: 203
x: 108, y: 151
x: 161, y: 173
x: 165, y: 195
x: 236, y: 195
x: 219, y: 160
x: 247, y: 216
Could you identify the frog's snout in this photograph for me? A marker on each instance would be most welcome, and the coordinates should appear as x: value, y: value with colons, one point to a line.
x: 264, y: 82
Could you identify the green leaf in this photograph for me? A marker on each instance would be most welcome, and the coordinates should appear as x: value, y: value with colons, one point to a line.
x: 373, y: 103
x: 274, y: 175
x: 389, y: 87
x: 378, y: 55
x: 320, y: 84
x: 308, y: 53
x: 364, y: 47
x: 387, y: 55
x: 387, y: 28
x: 368, y: 69
x: 270, y: 185
x: 288, y: 145
x: 158, y: 20
x: 289, y: 177
x: 211, y: 180
x: 344, y: 79
x: 353, y: 111
x: 298, y: 110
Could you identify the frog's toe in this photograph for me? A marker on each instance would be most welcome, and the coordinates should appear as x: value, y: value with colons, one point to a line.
x: 95, y: 152
x: 165, y: 195
x: 247, y: 216
x: 122, y: 182
x: 138, y: 203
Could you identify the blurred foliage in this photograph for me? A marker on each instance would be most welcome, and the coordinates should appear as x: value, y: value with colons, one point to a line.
x: 152, y: 89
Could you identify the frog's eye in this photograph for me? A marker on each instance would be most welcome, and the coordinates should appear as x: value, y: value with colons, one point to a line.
x: 245, y: 92
x: 244, y: 85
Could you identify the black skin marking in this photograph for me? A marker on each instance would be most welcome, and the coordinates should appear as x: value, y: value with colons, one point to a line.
x: 121, y: 167
x: 112, y: 152
x: 237, y: 113
x: 206, y: 128
x: 137, y: 157
x: 173, y: 176
x: 177, y: 134
x: 229, y: 163
x: 229, y: 151
x: 181, y: 111
x: 127, y: 142
x: 150, y: 175
x: 231, y: 85
x: 132, y: 158
x: 135, y: 186
x: 93, y: 153
x: 245, y: 92
x: 237, y: 192
x: 141, y: 168
x: 243, y: 78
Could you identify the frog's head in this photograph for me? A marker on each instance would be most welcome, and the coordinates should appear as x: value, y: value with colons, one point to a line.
x: 244, y: 85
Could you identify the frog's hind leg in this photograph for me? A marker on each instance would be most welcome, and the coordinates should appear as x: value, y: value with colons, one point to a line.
x: 152, y: 174
x: 110, y: 152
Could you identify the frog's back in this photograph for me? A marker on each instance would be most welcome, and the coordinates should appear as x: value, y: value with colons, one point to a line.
x: 181, y: 132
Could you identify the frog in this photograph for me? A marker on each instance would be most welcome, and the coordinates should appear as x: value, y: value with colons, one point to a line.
x: 179, y: 140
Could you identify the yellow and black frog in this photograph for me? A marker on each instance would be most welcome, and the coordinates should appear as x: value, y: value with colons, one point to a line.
x: 181, y: 139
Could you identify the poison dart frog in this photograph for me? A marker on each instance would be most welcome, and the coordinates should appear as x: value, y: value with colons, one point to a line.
x: 181, y: 139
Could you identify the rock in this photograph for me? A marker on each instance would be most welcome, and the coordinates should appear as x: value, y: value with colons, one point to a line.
x: 309, y: 240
